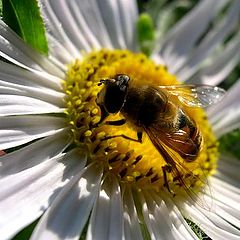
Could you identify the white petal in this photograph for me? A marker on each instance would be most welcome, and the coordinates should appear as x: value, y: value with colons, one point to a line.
x: 164, y: 221
x: 74, y: 7
x: 78, y: 10
x: 128, y: 13
x: 17, y: 130
x: 69, y: 26
x: 157, y: 59
x: 221, y: 66
x: 225, y: 115
x: 152, y: 214
x: 57, y: 62
x: 14, y: 47
x: 213, y: 225
x: 224, y: 200
x: 36, y: 153
x: 44, y: 94
x: 180, y: 226
x: 230, y: 120
x: 230, y: 194
x: 93, y: 18
x: 20, y: 105
x: 103, y: 20
x: 110, y: 15
x: 182, y: 38
x: 106, y: 221
x: 24, y: 196
x: 213, y: 38
x: 69, y: 213
x: 57, y: 50
x: 132, y: 228
x: 149, y: 219
x: 14, y: 74
x: 228, y: 169
x: 93, y: 21
x: 54, y: 25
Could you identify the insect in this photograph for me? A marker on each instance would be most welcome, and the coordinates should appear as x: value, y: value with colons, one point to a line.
x: 151, y: 109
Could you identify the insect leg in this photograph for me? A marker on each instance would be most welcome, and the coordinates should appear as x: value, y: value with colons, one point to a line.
x: 167, y: 169
x: 116, y: 122
x: 104, y: 114
x: 119, y: 123
x: 139, y: 137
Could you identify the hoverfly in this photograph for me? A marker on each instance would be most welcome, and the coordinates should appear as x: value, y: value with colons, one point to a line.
x: 150, y: 109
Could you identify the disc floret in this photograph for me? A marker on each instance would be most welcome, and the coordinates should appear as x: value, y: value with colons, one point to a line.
x: 133, y: 163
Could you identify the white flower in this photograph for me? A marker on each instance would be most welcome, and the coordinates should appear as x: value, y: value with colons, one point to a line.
x: 47, y: 177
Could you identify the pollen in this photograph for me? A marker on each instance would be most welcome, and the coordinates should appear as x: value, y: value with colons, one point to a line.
x: 140, y: 164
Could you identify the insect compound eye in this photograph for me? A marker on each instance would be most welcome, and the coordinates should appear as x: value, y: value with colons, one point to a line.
x: 116, y: 91
x: 122, y: 81
x: 122, y: 78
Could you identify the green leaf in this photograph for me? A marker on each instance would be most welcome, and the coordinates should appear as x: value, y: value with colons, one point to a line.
x: 232, y: 78
x: 0, y: 7
x: 25, y: 19
x: 230, y: 143
x: 197, y: 230
x: 26, y: 232
x: 146, y: 34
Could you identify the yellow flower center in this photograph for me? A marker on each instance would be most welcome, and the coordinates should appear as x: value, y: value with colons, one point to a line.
x: 132, y: 162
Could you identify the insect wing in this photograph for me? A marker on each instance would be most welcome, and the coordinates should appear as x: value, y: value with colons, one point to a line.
x: 196, y: 95
x: 177, y: 169
x: 179, y: 141
x: 159, y: 145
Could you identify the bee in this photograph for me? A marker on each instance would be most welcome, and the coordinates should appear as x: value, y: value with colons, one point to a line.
x: 151, y: 109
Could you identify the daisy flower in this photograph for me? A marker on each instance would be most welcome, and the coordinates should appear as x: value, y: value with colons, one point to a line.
x: 65, y: 170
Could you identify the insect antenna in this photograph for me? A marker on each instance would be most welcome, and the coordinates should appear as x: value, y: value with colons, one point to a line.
x: 106, y: 81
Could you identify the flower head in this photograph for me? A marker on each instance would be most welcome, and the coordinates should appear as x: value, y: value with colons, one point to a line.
x: 117, y: 175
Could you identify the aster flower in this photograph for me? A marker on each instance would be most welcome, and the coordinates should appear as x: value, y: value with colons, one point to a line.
x: 67, y: 173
